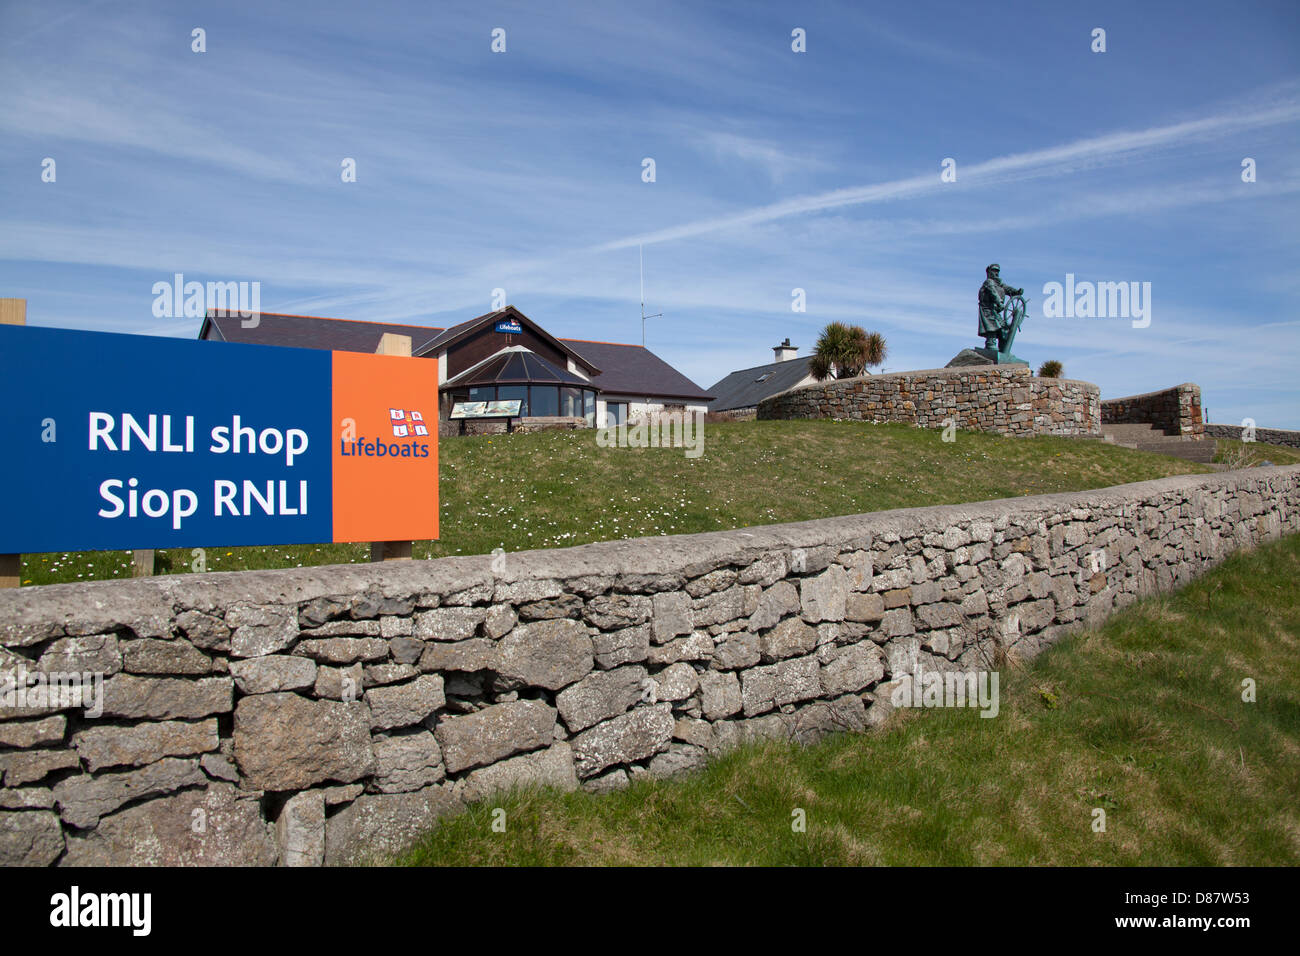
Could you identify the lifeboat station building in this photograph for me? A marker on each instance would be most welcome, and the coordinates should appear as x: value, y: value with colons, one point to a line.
x: 502, y: 356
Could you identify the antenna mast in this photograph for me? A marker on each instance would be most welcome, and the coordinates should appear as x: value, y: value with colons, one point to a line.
x: 641, y: 260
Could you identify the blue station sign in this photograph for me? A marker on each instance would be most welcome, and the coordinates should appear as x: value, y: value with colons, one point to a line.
x: 130, y: 441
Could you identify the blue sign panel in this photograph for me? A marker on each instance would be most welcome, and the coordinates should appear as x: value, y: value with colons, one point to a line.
x: 509, y: 325
x: 129, y: 441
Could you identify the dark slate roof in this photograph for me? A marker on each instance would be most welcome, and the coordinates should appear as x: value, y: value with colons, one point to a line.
x: 310, y: 332
x: 625, y: 369
x: 447, y: 334
x: 457, y: 332
x: 514, y: 366
x: 743, y: 389
x: 635, y: 370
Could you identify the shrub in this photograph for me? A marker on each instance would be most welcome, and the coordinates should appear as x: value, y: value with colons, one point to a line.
x: 845, y: 351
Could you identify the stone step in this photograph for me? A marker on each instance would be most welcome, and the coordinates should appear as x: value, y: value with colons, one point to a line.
x: 1144, y: 436
x: 1134, y: 432
x: 1202, y: 451
x: 1129, y: 441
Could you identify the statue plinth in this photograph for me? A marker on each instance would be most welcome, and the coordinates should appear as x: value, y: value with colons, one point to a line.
x: 999, y: 358
x: 983, y: 356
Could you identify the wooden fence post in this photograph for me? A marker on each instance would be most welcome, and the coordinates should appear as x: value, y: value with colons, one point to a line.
x: 390, y: 343
x: 11, y: 570
x: 12, y: 312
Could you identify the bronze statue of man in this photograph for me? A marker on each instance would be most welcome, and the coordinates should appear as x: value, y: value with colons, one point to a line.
x: 992, y: 301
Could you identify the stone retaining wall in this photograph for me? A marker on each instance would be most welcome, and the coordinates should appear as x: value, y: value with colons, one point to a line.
x: 1006, y: 399
x: 329, y: 714
x: 453, y: 428
x: 1177, y: 410
x: 733, y: 415
x: 546, y: 423
x: 1265, y: 436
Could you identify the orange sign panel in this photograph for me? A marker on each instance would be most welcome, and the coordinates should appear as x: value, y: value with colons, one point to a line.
x: 385, y: 448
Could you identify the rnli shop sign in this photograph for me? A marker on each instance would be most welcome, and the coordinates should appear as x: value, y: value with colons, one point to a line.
x: 127, y: 441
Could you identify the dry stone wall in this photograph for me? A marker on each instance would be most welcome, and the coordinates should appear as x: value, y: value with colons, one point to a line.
x: 1006, y: 399
x: 1265, y: 436
x: 733, y: 415
x: 328, y: 715
x: 1177, y: 410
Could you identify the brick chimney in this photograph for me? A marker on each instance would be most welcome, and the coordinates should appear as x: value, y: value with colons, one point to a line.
x: 785, y: 351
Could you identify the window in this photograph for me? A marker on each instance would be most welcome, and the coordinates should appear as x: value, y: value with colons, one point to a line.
x: 764, y: 377
x: 510, y: 393
x: 482, y: 393
x: 615, y: 414
x: 571, y: 402
x: 544, y: 400
x: 589, y: 407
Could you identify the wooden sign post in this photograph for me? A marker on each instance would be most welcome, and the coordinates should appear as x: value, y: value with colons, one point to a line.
x: 390, y: 343
x: 12, y: 312
x: 142, y: 563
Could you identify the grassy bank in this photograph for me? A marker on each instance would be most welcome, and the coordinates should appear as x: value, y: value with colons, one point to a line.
x: 553, y: 489
x: 1249, y: 454
x: 1142, y: 718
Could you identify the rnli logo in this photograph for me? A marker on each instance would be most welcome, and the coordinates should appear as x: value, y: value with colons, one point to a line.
x: 407, y: 422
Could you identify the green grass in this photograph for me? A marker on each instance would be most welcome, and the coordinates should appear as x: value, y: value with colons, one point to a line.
x: 1249, y: 454
x: 1143, y: 718
x: 553, y: 489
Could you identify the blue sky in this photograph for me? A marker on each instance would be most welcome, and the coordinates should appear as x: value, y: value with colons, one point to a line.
x: 775, y: 170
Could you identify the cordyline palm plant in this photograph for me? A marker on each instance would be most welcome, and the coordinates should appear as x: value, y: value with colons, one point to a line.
x: 1050, y: 369
x: 845, y: 351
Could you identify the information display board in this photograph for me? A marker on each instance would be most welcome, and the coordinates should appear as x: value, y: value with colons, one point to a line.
x: 499, y: 409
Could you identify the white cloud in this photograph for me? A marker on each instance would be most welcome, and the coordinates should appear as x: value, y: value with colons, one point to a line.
x: 775, y: 162
x: 1094, y: 151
